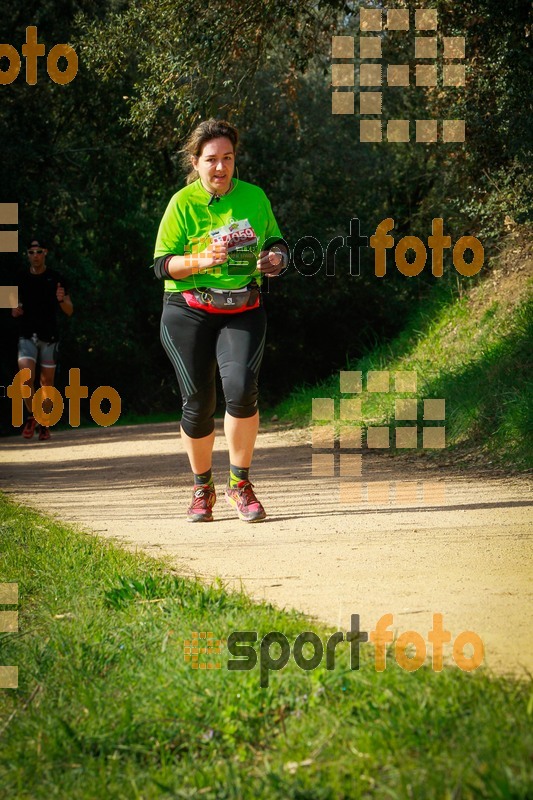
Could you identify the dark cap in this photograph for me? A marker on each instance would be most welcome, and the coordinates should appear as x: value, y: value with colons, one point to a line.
x: 37, y: 242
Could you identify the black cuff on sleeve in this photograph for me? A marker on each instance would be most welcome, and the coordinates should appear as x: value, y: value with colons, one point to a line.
x: 161, y: 266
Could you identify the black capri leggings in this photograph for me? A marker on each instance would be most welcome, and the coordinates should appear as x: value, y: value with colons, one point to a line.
x: 195, y: 341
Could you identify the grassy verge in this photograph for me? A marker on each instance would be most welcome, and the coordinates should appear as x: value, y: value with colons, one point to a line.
x: 470, y: 345
x: 107, y: 707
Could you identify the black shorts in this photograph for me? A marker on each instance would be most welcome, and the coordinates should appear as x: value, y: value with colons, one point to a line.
x: 196, y: 341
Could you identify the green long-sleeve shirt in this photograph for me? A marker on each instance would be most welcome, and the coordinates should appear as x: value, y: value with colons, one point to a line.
x: 188, y: 219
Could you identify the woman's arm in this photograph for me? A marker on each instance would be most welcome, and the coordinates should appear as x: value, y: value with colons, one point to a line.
x: 273, y: 261
x: 179, y: 267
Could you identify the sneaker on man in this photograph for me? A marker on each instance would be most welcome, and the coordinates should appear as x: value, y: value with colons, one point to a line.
x: 44, y: 433
x: 29, y: 428
x: 203, y: 500
x: 242, y: 498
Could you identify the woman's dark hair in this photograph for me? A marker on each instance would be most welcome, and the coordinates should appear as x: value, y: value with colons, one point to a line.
x: 203, y: 133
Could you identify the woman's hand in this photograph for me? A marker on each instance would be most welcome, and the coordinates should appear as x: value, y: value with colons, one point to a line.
x: 181, y: 267
x: 272, y: 262
x: 215, y: 253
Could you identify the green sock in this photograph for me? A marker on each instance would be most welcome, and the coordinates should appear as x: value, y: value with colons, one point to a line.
x: 237, y: 474
x: 204, y: 479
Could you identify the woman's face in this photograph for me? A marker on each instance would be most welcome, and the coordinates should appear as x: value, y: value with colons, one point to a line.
x: 215, y: 165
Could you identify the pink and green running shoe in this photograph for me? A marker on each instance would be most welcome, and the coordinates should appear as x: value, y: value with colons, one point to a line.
x: 203, y: 500
x: 242, y: 498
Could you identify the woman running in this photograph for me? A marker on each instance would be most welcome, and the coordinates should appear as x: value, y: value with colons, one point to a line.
x: 206, y: 251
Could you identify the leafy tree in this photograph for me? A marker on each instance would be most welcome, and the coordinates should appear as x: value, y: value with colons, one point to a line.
x: 93, y: 163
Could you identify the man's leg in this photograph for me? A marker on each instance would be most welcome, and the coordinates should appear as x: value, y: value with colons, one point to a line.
x: 47, y: 379
x: 29, y: 426
x: 29, y: 363
x: 47, y: 375
x: 27, y: 359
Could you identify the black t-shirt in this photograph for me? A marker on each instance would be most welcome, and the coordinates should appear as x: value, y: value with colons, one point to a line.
x: 37, y: 293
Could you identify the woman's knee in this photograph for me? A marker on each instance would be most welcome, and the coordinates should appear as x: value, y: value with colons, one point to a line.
x: 198, y: 413
x: 241, y: 393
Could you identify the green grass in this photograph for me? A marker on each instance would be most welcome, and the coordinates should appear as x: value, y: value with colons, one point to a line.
x: 469, y: 347
x: 108, y: 708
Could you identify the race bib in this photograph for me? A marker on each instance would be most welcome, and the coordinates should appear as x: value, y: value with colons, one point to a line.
x: 236, y: 234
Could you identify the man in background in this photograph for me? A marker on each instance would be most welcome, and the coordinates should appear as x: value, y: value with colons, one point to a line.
x: 42, y: 292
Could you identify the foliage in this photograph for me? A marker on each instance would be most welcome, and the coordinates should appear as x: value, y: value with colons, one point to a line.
x: 99, y: 160
x: 469, y: 344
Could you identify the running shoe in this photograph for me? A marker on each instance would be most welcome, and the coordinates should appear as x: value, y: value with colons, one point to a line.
x: 29, y: 428
x: 44, y: 433
x: 243, y: 499
x: 203, y: 500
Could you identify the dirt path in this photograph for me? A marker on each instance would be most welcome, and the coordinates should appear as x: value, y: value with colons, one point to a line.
x: 469, y: 557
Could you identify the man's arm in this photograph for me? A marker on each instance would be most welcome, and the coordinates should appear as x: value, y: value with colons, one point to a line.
x: 19, y: 310
x: 64, y: 300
